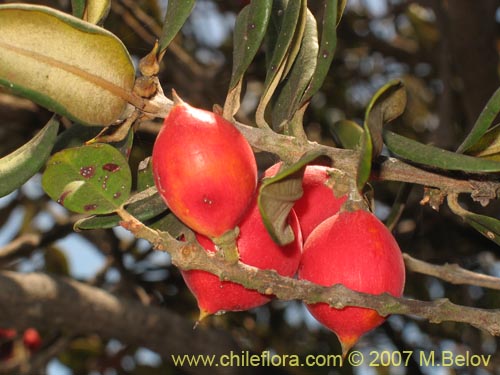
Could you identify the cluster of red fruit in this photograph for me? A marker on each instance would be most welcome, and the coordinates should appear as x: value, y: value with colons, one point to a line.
x: 206, y: 172
x: 29, y: 342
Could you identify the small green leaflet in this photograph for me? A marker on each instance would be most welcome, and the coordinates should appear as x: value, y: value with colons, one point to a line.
x: 21, y: 164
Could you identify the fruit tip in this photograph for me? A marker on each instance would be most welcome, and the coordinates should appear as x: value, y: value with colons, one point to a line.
x: 346, y: 343
x: 203, y: 314
x: 177, y: 99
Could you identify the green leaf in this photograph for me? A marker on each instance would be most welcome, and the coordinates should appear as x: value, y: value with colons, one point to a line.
x: 177, y: 13
x: 77, y: 135
x: 250, y: 28
x: 92, y: 179
x: 289, y: 99
x: 284, y: 20
x: 486, y: 225
x: 483, y: 122
x: 488, y: 146
x: 171, y: 224
x: 93, y: 11
x: 145, y: 177
x: 249, y: 31
x: 277, y: 196
x: 328, y: 44
x: 387, y: 104
x: 364, y: 168
x: 17, y: 167
x: 78, y: 8
x: 347, y: 133
x: 435, y: 157
x: 67, y: 65
x: 144, y: 206
x: 97, y: 10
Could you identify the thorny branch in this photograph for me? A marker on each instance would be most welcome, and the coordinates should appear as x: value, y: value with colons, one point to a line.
x: 190, y: 255
x: 481, y: 188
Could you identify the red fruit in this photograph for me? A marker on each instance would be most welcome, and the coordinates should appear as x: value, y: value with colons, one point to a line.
x: 7, y: 336
x: 31, y: 339
x: 7, y: 333
x: 256, y: 248
x: 204, y: 169
x: 354, y: 249
x: 318, y: 201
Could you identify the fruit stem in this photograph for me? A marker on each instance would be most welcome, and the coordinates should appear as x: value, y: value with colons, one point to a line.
x: 226, y: 245
x: 355, y: 200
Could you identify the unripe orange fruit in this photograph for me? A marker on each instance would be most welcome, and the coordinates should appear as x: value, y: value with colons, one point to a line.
x: 204, y: 169
x: 354, y: 249
x: 256, y: 248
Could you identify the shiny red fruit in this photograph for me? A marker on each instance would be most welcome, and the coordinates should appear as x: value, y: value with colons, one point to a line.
x: 204, y: 169
x: 256, y: 248
x: 354, y: 249
x: 318, y: 202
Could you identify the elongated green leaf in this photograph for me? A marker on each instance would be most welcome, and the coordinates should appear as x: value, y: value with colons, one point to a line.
x: 435, y: 157
x: 283, y: 23
x: 327, y: 47
x: 347, y: 133
x: 64, y: 64
x: 486, y: 225
x: 365, y: 160
x: 299, y: 78
x: 277, y: 196
x: 144, y: 206
x: 388, y: 103
x: 171, y: 224
x: 283, y: 27
x: 249, y: 31
x: 483, y: 122
x: 488, y: 146
x: 97, y: 10
x: 92, y: 179
x: 78, y: 8
x: 177, y: 13
x: 93, y: 11
x: 17, y: 167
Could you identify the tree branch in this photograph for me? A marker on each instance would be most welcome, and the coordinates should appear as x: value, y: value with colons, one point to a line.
x: 385, y: 168
x: 452, y: 273
x: 57, y: 304
x: 187, y: 256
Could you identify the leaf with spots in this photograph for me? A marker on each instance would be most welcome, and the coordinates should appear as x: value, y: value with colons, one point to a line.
x: 146, y: 205
x: 93, y: 179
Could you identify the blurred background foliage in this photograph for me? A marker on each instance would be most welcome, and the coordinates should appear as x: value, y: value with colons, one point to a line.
x: 446, y: 52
